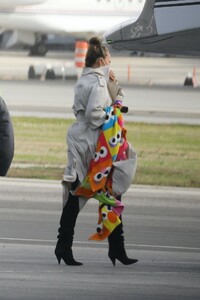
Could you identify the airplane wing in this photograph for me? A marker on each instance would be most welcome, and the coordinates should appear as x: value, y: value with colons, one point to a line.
x: 169, y: 27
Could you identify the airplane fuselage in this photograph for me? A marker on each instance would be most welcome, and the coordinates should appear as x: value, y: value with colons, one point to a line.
x: 164, y: 26
x: 53, y: 16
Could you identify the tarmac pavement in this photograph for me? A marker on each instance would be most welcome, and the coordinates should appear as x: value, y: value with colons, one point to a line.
x: 162, y: 230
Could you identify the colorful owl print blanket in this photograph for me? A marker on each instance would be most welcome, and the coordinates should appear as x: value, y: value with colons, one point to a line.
x: 111, y: 147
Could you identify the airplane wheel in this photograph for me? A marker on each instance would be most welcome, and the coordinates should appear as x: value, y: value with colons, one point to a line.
x: 38, y: 50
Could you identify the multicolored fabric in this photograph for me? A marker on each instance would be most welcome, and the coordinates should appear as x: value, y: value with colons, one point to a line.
x: 107, y: 222
x: 111, y: 146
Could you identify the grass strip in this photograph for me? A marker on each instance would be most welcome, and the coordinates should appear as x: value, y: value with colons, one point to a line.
x: 168, y: 155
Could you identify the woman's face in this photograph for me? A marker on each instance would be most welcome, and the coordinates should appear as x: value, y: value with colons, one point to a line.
x: 105, y: 61
x: 107, y: 58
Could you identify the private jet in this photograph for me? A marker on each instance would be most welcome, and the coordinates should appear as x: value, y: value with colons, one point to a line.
x: 166, y: 27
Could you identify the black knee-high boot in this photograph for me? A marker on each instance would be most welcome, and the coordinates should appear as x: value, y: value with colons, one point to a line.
x: 68, y: 219
x: 117, y: 247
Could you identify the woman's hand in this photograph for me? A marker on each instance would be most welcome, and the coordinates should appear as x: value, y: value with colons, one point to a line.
x: 112, y: 75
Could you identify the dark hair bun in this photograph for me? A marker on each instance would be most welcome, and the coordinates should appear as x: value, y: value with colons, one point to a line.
x: 95, y: 50
x: 95, y: 41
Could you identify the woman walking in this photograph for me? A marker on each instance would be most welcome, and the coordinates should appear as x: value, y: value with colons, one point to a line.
x: 91, y: 99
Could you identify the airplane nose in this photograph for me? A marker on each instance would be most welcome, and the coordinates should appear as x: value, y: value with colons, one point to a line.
x: 133, y: 29
x: 112, y: 35
x: 117, y: 34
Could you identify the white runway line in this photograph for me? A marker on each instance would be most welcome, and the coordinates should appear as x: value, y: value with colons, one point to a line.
x: 17, y: 240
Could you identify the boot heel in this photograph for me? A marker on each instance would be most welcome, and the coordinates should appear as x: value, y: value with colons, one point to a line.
x: 67, y: 257
x: 58, y: 256
x: 112, y: 258
x: 122, y: 257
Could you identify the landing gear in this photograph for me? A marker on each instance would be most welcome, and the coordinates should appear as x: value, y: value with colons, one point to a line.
x: 39, y: 49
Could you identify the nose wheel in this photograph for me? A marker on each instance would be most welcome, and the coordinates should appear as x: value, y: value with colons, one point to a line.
x: 39, y: 49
